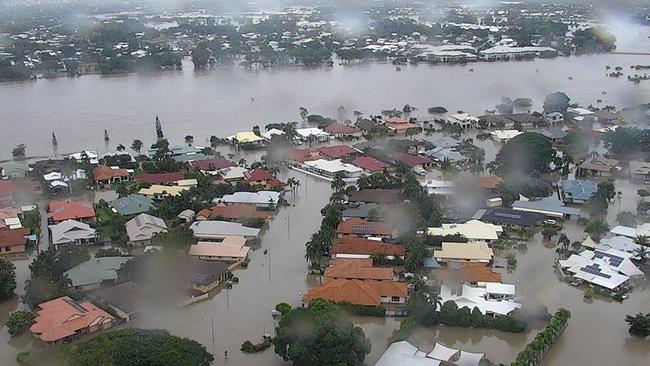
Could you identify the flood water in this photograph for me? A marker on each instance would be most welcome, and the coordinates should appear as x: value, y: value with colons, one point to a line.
x: 219, y: 103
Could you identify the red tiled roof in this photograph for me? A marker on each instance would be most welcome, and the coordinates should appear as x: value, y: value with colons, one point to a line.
x: 62, y: 317
x: 409, y: 159
x: 70, y: 210
x: 103, y: 172
x: 237, y: 211
x: 401, y: 126
x: 337, y: 128
x: 356, y: 292
x: 396, y: 120
x: 361, y: 269
x: 258, y: 175
x: 356, y: 226
x: 212, y: 164
x: 302, y: 155
x: 160, y: 178
x: 338, y: 151
x: 489, y: 182
x: 470, y: 272
x: 370, y: 164
x: 353, y: 245
x: 7, y: 187
x: 10, y: 238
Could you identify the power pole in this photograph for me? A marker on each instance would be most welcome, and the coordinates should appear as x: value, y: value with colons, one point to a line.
x: 212, y: 323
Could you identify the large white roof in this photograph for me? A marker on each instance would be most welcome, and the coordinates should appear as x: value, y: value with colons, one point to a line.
x: 472, y: 230
x: 333, y: 166
x: 475, y: 297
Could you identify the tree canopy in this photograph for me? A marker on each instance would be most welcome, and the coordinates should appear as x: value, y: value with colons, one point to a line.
x: 320, y: 335
x: 556, y: 102
x: 524, y: 154
x: 7, y: 279
x: 140, y: 347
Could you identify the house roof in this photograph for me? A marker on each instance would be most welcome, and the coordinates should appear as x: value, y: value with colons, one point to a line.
x: 206, y: 229
x: 337, y: 128
x: 464, y: 251
x: 472, y: 229
x: 553, y: 133
x: 245, y: 137
x: 546, y: 205
x: 302, y: 155
x: 524, y: 118
x: 338, y: 151
x: 507, y: 216
x: 388, y: 196
x: 125, y: 296
x: 232, y: 247
x: 470, y: 272
x: 70, y: 230
x: 360, y: 269
x: 405, y: 354
x: 217, y: 163
x: 356, y: 226
x: 491, y: 182
x: 332, y: 166
x: 103, y: 172
x: 401, y: 126
x: 370, y: 164
x: 356, y: 292
x: 236, y: 211
x: 160, y: 178
x: 259, y: 175
x: 580, y: 189
x: 157, y: 189
x: 445, y: 154
x: 599, y: 163
x: 70, y: 210
x: 255, y: 198
x: 639, y: 167
x: 361, y: 210
x: 354, y: 245
x: 205, y: 272
x: 63, y: 317
x: 144, y: 227
x: 409, y: 159
x: 96, y: 270
x: 132, y: 204
x: 14, y: 237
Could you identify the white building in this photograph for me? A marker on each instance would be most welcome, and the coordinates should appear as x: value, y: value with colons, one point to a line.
x: 610, y: 269
x: 464, y: 120
x: 329, y: 168
x: 313, y: 133
x: 493, y: 299
x: 260, y: 198
x: 473, y: 230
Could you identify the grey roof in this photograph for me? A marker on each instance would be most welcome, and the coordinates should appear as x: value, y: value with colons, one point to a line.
x: 360, y: 211
x: 125, y: 296
x: 548, y: 204
x: 445, y: 154
x: 132, y: 204
x: 255, y: 198
x: 553, y: 133
x: 96, y: 270
x: 144, y: 227
x: 445, y: 141
x: 207, y: 229
x: 507, y: 216
x: 580, y: 189
x: 205, y: 272
x: 69, y: 231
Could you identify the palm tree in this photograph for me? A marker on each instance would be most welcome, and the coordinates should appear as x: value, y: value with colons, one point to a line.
x: 189, y: 139
x: 338, y: 184
x: 120, y: 148
x: 643, y: 253
x: 136, y: 146
x: 242, y: 163
x: 642, y: 240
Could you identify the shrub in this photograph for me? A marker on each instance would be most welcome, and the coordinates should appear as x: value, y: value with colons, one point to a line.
x: 406, y: 327
x: 248, y: 347
x: 283, y: 308
x: 19, y: 321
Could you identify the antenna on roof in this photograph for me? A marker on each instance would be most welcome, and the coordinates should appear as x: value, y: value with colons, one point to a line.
x: 54, y: 142
x: 106, y: 138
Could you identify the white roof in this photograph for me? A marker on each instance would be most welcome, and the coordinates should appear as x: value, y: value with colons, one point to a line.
x: 510, y: 49
x: 500, y: 288
x: 70, y: 230
x: 506, y: 134
x: 306, y: 132
x: 472, y: 230
x: 443, y: 353
x: 255, y: 198
x: 631, y: 232
x: 144, y: 227
x: 621, y: 243
x: 475, y: 297
x: 333, y: 166
x: 580, y: 111
x: 469, y: 359
x: 272, y: 132
x: 405, y: 354
x: 220, y: 229
x: 607, y: 268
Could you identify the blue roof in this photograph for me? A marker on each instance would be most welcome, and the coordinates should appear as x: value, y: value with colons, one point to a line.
x: 580, y: 189
x: 431, y: 263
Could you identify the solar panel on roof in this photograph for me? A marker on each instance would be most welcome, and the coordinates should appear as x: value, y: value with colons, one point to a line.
x: 76, y: 305
x: 612, y: 259
x: 508, y: 215
x: 362, y: 228
x: 595, y: 270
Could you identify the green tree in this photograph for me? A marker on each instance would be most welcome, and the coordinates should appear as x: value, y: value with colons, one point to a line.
x: 131, y: 347
x: 320, y: 335
x: 7, y: 279
x: 19, y: 152
x: 626, y: 218
x: 526, y: 153
x: 19, y: 321
x: 136, y: 146
x: 159, y: 131
x: 201, y: 55
x: 597, y: 228
x: 108, y: 252
x: 639, y: 324
x: 556, y: 102
x: 71, y: 255
x: 47, y: 281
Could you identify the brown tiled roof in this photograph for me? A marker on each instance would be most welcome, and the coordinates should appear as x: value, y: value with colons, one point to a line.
x: 302, y: 155
x: 237, y: 211
x: 339, y: 128
x: 217, y: 163
x: 356, y: 292
x: 160, y: 178
x: 70, y: 210
x: 361, y: 269
x: 599, y: 163
x: 353, y: 245
x: 10, y: 238
x: 409, y: 159
x: 488, y: 182
x: 338, y: 151
x: 470, y: 272
x: 356, y: 226
x: 390, y: 196
x: 103, y: 172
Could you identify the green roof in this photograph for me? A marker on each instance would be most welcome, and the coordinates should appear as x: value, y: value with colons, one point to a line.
x: 132, y: 204
x: 96, y: 270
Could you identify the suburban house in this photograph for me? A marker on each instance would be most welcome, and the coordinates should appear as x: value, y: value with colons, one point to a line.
x: 489, y: 185
x: 610, y: 269
x: 123, y: 298
x: 264, y: 199
x: 262, y: 178
x: 13, y: 240
x: 104, y: 175
x: 207, y: 275
x: 72, y: 232
x: 439, y: 187
x: 640, y: 172
x: 369, y: 211
x: 478, y: 252
x: 338, y: 152
x: 525, y: 120
x: 230, y: 249
x: 142, y: 228
x: 379, y: 196
x: 411, y: 161
x: 234, y: 212
x: 70, y: 210
x: 302, y: 155
x: 446, y: 142
x: 389, y: 294
x: 400, y: 126
x: 132, y: 204
x: 364, y: 229
x: 219, y: 230
x: 312, y: 134
x: 509, y: 217
x: 553, y: 134
x: 630, y: 232
x: 158, y: 192
x: 446, y: 155
x: 212, y: 164
x: 473, y: 274
x: 578, y: 191
x: 549, y: 207
x: 463, y: 120
x: 492, y: 299
x: 95, y: 273
x: 370, y: 164
x: 353, y: 247
x: 330, y: 168
x: 246, y: 138
x: 7, y: 191
x: 405, y: 354
x: 472, y: 230
x: 233, y: 175
x: 505, y: 135
x: 64, y: 319
x: 357, y: 269
x: 554, y: 118
x: 14, y: 170
x: 340, y: 130
x: 598, y: 166
x: 186, y: 215
x: 160, y: 178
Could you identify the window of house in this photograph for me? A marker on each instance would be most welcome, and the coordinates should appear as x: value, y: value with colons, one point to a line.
x: 394, y: 298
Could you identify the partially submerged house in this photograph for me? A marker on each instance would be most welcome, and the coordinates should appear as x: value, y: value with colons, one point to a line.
x: 493, y: 299
x: 219, y: 230
x: 598, y: 166
x: 370, y: 164
x: 477, y: 252
x: 72, y: 232
x: 405, y: 354
x: 95, y: 272
x: 124, y: 299
x: 549, y: 207
x: 578, y: 191
x: 104, y: 175
x: 233, y: 212
x: 142, y: 228
x: 59, y: 211
x: 640, y: 172
x: 610, y: 269
x: 13, y: 240
x: 265, y: 199
x: 330, y: 168
x: 353, y: 247
x: 364, y: 229
x: 230, y: 249
x: 472, y: 230
x: 357, y: 269
x: 132, y: 204
x: 509, y: 217
x: 389, y: 294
